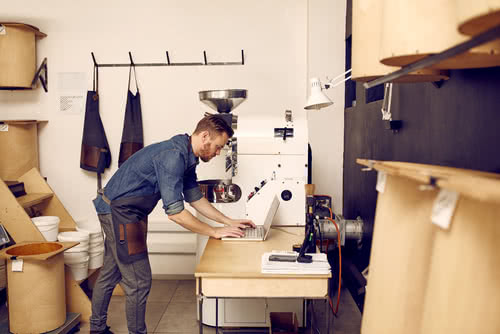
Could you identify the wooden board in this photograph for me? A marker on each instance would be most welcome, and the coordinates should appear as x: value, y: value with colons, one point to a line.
x: 18, y: 149
x: 32, y: 199
x: 34, y: 183
x: 425, y: 279
x: 477, y: 16
x: 478, y: 185
x: 366, y: 40
x: 233, y: 269
x: 408, y: 26
x: 15, y: 220
x: 300, y: 287
x: 239, y: 259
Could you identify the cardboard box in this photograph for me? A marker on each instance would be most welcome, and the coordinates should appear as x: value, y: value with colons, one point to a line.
x: 425, y: 278
x: 283, y: 323
x: 18, y: 54
x: 18, y: 148
x: 36, y: 290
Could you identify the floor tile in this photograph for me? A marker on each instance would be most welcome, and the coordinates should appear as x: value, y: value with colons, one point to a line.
x: 117, y: 319
x: 162, y: 290
x: 185, y: 292
x: 154, y: 312
x: 179, y: 317
x: 206, y: 330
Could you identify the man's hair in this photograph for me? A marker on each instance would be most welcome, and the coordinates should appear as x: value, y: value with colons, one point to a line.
x: 215, y: 125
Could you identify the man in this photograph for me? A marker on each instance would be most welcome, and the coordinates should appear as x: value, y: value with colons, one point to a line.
x: 165, y: 170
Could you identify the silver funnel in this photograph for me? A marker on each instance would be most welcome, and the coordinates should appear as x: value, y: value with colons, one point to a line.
x: 224, y: 101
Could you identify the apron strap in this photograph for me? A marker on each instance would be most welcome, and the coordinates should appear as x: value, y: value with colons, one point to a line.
x: 135, y: 77
x: 95, y: 79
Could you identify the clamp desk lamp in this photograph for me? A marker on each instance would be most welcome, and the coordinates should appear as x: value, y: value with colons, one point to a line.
x: 309, y: 243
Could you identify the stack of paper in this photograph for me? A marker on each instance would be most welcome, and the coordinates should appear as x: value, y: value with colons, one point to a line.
x: 319, y: 266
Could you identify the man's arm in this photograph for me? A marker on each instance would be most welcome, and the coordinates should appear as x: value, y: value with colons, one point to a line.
x: 204, y: 207
x: 190, y: 222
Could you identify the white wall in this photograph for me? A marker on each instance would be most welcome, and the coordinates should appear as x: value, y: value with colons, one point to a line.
x: 273, y: 35
x: 326, y: 57
x: 285, y: 43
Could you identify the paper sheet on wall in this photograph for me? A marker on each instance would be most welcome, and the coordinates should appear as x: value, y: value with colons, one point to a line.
x: 71, y: 92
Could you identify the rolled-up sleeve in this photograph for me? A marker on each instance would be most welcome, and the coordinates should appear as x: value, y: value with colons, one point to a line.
x: 169, y: 167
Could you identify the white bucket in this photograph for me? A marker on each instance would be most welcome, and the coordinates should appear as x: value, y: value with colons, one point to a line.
x: 78, y: 264
x: 48, y: 226
x: 78, y: 236
x: 95, y: 235
x: 72, y: 258
x: 97, y: 249
x: 96, y: 260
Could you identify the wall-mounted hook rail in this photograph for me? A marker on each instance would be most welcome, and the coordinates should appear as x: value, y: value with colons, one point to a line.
x: 93, y: 58
x: 169, y: 63
x: 131, y: 60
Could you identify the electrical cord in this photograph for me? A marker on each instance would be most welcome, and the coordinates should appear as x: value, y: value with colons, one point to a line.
x: 340, y: 265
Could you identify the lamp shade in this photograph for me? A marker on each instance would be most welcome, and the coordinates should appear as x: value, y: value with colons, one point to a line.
x: 317, y: 99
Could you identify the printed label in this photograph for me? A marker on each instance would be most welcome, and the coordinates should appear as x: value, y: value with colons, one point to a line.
x: 444, y: 207
x: 381, y: 180
x: 17, y: 265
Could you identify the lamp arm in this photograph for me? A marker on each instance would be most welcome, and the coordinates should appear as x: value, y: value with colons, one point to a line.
x: 331, y: 82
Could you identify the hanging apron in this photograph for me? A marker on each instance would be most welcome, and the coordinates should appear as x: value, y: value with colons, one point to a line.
x: 95, y: 154
x: 132, y: 136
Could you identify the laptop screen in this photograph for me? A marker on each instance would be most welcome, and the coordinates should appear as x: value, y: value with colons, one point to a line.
x: 270, y: 215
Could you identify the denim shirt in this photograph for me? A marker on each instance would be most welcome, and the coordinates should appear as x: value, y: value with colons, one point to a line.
x: 167, y: 168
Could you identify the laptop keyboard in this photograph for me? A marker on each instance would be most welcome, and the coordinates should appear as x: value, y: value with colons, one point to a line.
x: 254, y: 233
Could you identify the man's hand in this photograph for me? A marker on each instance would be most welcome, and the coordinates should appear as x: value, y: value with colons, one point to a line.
x: 228, y: 231
x: 241, y: 223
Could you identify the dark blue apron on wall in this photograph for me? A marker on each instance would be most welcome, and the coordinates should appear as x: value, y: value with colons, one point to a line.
x: 95, y: 154
x: 132, y: 136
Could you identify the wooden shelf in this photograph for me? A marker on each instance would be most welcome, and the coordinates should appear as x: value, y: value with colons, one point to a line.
x: 32, y: 199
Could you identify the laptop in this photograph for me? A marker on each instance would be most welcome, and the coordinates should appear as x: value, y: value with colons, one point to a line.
x: 260, y: 232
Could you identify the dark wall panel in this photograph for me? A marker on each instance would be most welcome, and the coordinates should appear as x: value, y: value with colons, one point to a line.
x: 457, y: 125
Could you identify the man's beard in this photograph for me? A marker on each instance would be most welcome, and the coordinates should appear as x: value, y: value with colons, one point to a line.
x: 205, y: 155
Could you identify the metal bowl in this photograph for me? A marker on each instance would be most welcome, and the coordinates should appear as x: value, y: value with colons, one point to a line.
x: 224, y: 101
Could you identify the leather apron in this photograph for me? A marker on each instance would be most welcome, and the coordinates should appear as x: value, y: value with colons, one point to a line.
x: 130, y: 223
x: 132, y: 136
x: 95, y: 154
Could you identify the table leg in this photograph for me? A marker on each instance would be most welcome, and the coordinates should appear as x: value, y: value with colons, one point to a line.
x: 327, y: 317
x: 304, y: 324
x: 200, y: 306
x: 216, y: 315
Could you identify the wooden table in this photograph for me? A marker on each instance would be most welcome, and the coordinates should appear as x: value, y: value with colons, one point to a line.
x: 233, y: 269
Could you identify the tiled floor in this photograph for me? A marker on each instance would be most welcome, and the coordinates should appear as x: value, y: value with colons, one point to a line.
x: 172, y: 309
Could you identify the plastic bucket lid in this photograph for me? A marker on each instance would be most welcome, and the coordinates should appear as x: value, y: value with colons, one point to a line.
x: 74, y: 236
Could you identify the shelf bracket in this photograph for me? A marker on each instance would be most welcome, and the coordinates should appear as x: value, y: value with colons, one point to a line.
x: 42, y: 74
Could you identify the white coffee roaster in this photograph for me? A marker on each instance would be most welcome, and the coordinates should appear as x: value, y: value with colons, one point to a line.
x: 266, y: 156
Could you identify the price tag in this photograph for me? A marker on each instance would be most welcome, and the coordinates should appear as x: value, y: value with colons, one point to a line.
x: 444, y: 207
x: 17, y: 265
x: 381, y: 180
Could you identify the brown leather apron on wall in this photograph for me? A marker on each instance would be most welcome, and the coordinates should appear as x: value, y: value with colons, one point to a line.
x: 132, y: 136
x: 95, y: 155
